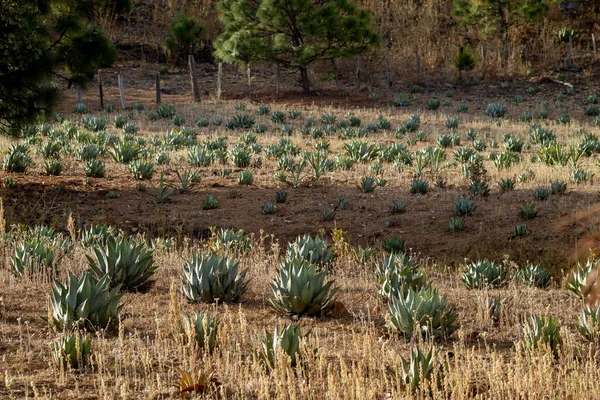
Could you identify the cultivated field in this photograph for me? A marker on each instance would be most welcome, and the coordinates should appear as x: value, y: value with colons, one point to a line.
x: 485, y: 194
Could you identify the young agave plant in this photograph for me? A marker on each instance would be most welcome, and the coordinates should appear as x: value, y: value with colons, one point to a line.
x: 97, y: 235
x: 32, y: 256
x: 232, y: 240
x: 398, y: 272
x: 534, y: 275
x: 298, y: 289
x: 542, y: 330
x: 316, y: 251
x: 420, y: 367
x: 125, y: 262
x: 85, y: 302
x: 72, y: 350
x: 577, y: 283
x: 589, y: 323
x: 284, y: 340
x: 209, y: 278
x: 422, y: 312
x: 484, y: 273
x: 203, y: 328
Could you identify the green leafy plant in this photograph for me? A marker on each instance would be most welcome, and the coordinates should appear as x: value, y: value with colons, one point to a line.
x: 398, y: 207
x: 210, y: 278
x: 202, y: 329
x: 577, y: 281
x: 484, y: 274
x: 521, y: 230
x: 281, y: 197
x: 393, y: 244
x: 495, y: 110
x: 73, y: 350
x: 528, y: 211
x: 230, y: 239
x: 314, y: 250
x: 419, y: 186
x: 422, y: 312
x: 542, y: 330
x: 246, y: 178
x: 210, y: 203
x: 298, y: 289
x: 127, y: 264
x: 418, y: 368
x: 269, y: 208
x: 397, y: 272
x: 367, y: 184
x: 85, y: 302
x: 17, y: 159
x: 141, y: 170
x: 457, y: 224
x: 464, y: 206
x: 284, y: 340
x: 589, y: 323
x: 534, y: 275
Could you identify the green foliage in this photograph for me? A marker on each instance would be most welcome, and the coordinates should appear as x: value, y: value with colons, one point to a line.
x: 463, y: 206
x: 185, y: 36
x: 465, y: 60
x: 577, y: 281
x: 97, y: 235
x: 84, y: 302
x: 420, y: 367
x: 284, y: 340
x: 32, y: 256
x: 246, y: 178
x: 210, y: 203
x: 397, y: 272
x: 484, y: 274
x: 422, y: 312
x: 73, y: 350
x: 367, y: 184
x: 17, y: 159
x: 141, y: 170
x: 457, y: 224
x: 298, y: 289
x: 589, y: 323
x: 534, y: 275
x: 230, y: 239
x: 125, y: 262
x: 419, y: 186
x: 542, y: 330
x: 393, y: 244
x: 314, y: 250
x: 202, y: 328
x: 294, y: 33
x: 211, y: 278
x: 495, y: 110
x: 94, y: 169
x: 39, y: 39
x: 527, y: 211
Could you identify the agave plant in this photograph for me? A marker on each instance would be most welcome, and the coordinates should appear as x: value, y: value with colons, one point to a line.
x: 17, y: 159
x: 397, y: 272
x: 32, y: 256
x: 125, y: 262
x: 534, y: 275
x: 284, y: 340
x: 202, y: 328
x: 484, y: 273
x: 420, y: 367
x: 209, y: 278
x: 72, y: 350
x: 125, y: 151
x: 298, y: 289
x: 232, y: 240
x: 422, y: 312
x: 463, y: 206
x: 589, y: 323
x: 577, y: 282
x: 97, y: 235
x: 542, y: 330
x: 316, y: 251
x: 85, y: 302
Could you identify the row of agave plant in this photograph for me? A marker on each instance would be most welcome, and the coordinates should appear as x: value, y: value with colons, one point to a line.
x: 299, y: 288
x: 143, y: 154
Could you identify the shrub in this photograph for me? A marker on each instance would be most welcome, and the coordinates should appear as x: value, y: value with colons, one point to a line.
x: 315, y: 251
x: 185, y: 35
x: 495, y: 110
x: 284, y: 340
x: 542, y: 330
x: 202, y: 328
x: 534, y: 275
x: 73, y: 350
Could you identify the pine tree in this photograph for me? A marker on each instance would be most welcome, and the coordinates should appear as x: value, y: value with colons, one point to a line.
x: 496, y: 17
x: 39, y: 39
x: 292, y: 33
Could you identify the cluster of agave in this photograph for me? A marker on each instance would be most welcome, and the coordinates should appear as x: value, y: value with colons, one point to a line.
x: 210, y: 278
x: 398, y: 272
x: 314, y: 250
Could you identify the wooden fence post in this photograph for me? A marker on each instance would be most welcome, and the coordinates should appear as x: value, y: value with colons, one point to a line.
x: 79, y: 95
x: 358, y: 72
x: 194, y: 80
x: 418, y: 60
x: 122, y: 91
x: 277, y: 81
x: 483, y: 56
x: 337, y: 75
x: 100, y: 91
x: 158, y: 101
x: 219, y: 81
x: 570, y: 52
x: 388, y: 73
x: 249, y: 78
x: 594, y: 46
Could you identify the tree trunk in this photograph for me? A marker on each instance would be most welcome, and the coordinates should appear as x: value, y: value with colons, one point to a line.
x: 304, y: 79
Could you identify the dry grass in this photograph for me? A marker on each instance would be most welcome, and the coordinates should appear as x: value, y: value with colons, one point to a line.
x: 354, y: 356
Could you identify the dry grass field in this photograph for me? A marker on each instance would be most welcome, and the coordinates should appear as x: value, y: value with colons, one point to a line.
x: 321, y: 152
